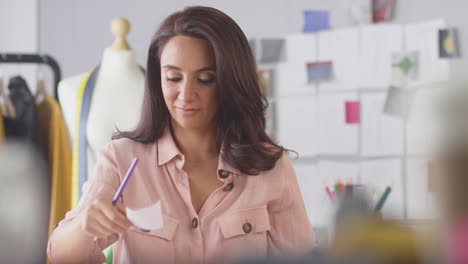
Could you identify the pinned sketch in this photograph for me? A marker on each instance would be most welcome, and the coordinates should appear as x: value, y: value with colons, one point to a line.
x: 318, y: 206
x: 377, y: 44
x: 353, y: 112
x: 382, y: 10
x: 421, y: 202
x: 334, y: 134
x: 423, y: 37
x: 448, y: 46
x: 345, y: 58
x: 316, y: 20
x: 148, y: 218
x: 398, y: 102
x: 319, y: 71
x: 359, y: 11
x: 381, y: 135
x: 404, y: 68
x: 297, y: 124
x: 271, y: 50
x: 291, y: 77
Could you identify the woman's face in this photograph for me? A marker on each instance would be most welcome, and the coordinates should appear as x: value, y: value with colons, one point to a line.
x: 188, y: 80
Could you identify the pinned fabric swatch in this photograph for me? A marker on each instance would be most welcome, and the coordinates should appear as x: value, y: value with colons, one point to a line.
x: 148, y: 218
x: 448, y: 47
x: 316, y: 20
x: 352, y: 112
x: 382, y: 10
x: 319, y: 71
x: 265, y: 82
x: 271, y: 50
x: 404, y: 68
x: 398, y: 102
x: 359, y: 12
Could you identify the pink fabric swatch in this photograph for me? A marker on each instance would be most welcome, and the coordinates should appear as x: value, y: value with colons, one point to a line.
x: 353, y: 113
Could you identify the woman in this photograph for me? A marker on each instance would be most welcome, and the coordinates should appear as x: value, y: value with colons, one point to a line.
x: 227, y: 190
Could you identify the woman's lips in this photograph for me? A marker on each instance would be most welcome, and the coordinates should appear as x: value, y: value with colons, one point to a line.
x: 187, y: 111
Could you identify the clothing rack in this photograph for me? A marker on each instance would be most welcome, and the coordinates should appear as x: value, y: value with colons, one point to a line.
x: 38, y: 59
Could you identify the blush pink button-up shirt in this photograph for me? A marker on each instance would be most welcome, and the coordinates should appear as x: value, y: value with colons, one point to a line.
x: 258, y: 216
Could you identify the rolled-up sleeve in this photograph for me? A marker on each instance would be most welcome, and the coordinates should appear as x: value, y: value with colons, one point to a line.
x: 103, y: 184
x: 291, y: 233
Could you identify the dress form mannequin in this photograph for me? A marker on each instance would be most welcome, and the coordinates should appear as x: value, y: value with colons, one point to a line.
x: 117, y: 96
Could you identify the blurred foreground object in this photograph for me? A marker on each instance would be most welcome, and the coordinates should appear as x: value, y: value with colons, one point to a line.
x: 24, y: 212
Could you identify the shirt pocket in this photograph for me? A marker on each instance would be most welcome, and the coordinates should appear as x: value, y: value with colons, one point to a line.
x: 152, y: 246
x: 245, y: 233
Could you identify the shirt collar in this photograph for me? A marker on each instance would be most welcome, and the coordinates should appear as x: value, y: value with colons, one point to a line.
x: 168, y: 150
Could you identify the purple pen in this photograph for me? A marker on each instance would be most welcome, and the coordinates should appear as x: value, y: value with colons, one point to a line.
x: 124, y: 182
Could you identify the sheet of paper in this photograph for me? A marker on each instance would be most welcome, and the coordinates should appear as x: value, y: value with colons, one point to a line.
x: 422, y: 128
x: 334, y: 134
x: 148, y: 218
x: 421, y: 204
x: 291, y: 77
x: 316, y: 20
x: 341, y: 46
x: 319, y: 71
x: 318, y: 205
x: 423, y: 38
x: 404, y: 68
x: 448, y: 43
x: 297, y: 124
x: 359, y: 11
x: 271, y: 50
x: 291, y: 80
x: 382, y: 10
x: 381, y: 134
x: 398, y: 102
x: 378, y: 43
x: 376, y: 175
x: 353, y: 112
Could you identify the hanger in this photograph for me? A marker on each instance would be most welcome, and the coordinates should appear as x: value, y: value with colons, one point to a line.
x: 40, y: 86
x: 7, y: 107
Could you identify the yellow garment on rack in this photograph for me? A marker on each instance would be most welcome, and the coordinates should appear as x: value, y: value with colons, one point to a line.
x: 75, y: 164
x: 57, y: 149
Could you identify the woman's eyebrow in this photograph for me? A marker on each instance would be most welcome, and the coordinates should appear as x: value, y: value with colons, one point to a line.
x: 207, y: 68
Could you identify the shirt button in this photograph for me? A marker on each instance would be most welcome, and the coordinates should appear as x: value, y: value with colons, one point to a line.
x: 194, y: 223
x: 247, y: 227
x: 229, y: 187
x: 223, y: 174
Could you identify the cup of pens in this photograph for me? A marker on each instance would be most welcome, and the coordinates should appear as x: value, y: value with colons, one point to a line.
x: 355, y: 202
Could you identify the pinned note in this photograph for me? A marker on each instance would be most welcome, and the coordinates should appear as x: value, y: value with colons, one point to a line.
x: 404, y: 68
x: 353, y: 113
x: 271, y: 50
x: 382, y: 10
x: 398, y: 102
x: 148, y: 218
x: 359, y: 11
x: 319, y: 71
x: 448, y: 47
x: 316, y: 20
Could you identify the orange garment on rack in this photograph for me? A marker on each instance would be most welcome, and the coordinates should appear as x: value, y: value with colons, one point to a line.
x: 59, y: 157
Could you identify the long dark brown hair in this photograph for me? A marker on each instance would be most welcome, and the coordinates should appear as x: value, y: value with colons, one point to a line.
x: 241, y: 117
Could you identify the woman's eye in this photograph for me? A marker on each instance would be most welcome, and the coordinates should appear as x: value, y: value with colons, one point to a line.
x: 173, y: 79
x: 207, y: 81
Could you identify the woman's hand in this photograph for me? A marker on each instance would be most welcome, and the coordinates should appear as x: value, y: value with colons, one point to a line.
x: 102, y: 219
